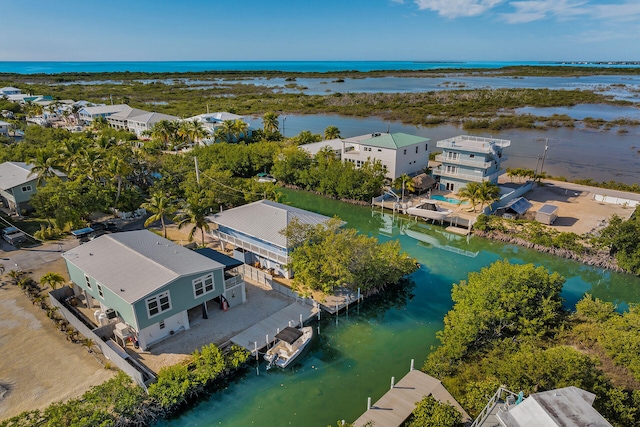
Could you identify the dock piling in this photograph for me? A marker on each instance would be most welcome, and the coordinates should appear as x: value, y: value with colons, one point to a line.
x: 368, y: 403
x: 255, y: 348
x: 411, y: 368
x: 267, y: 340
x: 301, y: 320
x: 393, y: 382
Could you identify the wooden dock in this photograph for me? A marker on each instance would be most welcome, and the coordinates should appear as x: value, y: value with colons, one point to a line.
x: 288, y: 316
x: 397, y: 404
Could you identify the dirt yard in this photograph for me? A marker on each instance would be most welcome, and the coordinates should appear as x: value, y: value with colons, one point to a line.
x: 578, y: 212
x: 37, y: 364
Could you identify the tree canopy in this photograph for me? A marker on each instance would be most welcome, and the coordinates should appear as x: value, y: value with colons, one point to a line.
x: 327, y: 256
x: 501, y: 301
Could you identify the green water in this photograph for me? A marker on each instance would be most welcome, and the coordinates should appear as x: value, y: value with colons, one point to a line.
x: 355, y: 355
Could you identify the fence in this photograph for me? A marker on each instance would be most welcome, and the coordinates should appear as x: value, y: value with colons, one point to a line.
x: 615, y: 200
x: 140, y: 375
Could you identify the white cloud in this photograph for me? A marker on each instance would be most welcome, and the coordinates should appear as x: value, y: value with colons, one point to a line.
x: 458, y: 8
x: 534, y: 10
x: 629, y: 11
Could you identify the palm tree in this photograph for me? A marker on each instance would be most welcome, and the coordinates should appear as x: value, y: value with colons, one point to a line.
x: 52, y: 279
x: 227, y: 131
x: 197, y: 131
x: 118, y: 169
x: 90, y: 162
x: 240, y: 129
x: 159, y: 206
x: 406, y: 182
x: 43, y: 164
x: 270, y: 122
x: 164, y: 130
x: 488, y: 193
x: 194, y: 214
x: 470, y: 192
x: 331, y: 132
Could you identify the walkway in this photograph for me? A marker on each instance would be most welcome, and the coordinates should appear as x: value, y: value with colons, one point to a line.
x: 272, y: 324
x: 397, y: 404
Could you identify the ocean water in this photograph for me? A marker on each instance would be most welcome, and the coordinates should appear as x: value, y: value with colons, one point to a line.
x: 52, y: 67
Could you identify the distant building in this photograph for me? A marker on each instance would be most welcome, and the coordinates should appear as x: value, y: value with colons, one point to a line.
x: 90, y: 113
x: 214, y: 121
x: 4, y: 128
x: 400, y: 153
x: 469, y: 159
x: 8, y: 90
x: 135, y: 120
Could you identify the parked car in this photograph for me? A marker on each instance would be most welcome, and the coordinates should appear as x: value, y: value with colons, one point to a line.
x: 13, y: 236
x: 105, y: 225
x: 98, y: 233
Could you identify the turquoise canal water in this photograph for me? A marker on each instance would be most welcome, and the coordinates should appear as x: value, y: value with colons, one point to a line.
x: 356, y: 354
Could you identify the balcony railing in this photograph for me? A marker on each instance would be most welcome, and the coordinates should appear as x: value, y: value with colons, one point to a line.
x: 238, y: 243
x: 476, y: 144
x: 466, y: 177
x: 464, y: 162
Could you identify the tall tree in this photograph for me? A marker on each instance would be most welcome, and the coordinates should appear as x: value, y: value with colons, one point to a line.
x: 405, y: 182
x: 194, y: 214
x: 270, y: 122
x: 331, y: 132
x: 160, y: 206
x: 43, y: 164
x: 470, y: 192
x: 488, y: 193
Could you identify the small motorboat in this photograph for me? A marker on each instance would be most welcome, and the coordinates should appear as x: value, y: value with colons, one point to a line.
x: 289, y: 344
x: 429, y: 209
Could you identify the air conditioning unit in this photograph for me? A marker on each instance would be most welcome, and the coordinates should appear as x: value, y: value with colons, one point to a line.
x: 111, y: 313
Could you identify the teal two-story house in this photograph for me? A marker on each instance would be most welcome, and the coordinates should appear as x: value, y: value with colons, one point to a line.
x: 18, y: 184
x: 467, y: 159
x: 145, y: 281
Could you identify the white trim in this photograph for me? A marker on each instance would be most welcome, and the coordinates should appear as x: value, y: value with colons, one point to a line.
x: 200, y: 285
x: 156, y: 299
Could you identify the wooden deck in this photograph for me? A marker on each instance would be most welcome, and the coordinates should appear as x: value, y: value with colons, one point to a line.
x: 397, y: 404
x: 272, y: 324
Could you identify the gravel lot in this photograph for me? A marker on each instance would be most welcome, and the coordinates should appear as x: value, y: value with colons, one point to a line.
x: 38, y: 365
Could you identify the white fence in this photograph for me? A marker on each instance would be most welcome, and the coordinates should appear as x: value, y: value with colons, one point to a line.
x: 616, y: 200
x: 140, y: 375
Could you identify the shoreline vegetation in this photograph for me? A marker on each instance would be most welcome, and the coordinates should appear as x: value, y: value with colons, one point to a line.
x: 473, y: 109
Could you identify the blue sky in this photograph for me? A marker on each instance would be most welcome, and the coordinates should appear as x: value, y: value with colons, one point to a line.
x: 228, y: 30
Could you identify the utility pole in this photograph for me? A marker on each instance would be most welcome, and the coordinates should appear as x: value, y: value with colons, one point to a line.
x: 284, y: 119
x: 544, y: 154
x: 195, y: 159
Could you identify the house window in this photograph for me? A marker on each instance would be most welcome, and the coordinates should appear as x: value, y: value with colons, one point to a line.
x: 99, y: 286
x: 379, y: 150
x: 161, y: 324
x: 426, y: 147
x: 26, y: 189
x: 203, y: 285
x: 87, y: 280
x: 405, y: 151
x: 472, y: 156
x: 158, y: 304
x: 453, y: 170
x: 452, y: 156
x: 416, y: 150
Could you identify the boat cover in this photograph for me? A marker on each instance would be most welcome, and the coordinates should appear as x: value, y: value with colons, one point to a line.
x: 519, y: 205
x: 289, y: 335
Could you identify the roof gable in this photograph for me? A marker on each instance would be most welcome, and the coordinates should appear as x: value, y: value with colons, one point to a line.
x: 134, y: 264
x: 265, y: 220
x: 13, y: 174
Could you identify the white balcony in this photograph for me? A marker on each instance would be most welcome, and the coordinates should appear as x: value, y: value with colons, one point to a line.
x: 463, y: 162
x: 466, y: 177
x: 475, y: 144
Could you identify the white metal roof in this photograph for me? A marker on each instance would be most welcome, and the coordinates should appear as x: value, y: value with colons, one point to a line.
x: 134, y: 264
x: 265, y: 219
x: 567, y: 407
x: 13, y: 174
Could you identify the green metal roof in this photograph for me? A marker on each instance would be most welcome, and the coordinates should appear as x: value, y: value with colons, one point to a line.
x: 394, y: 140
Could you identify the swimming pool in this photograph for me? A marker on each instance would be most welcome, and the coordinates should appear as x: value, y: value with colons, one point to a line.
x: 448, y: 200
